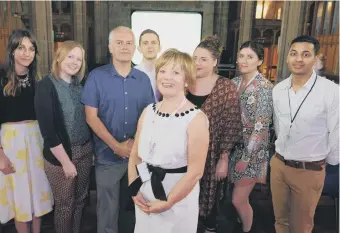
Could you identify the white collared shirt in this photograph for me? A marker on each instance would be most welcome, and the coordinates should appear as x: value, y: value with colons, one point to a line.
x: 314, y: 134
x: 152, y: 76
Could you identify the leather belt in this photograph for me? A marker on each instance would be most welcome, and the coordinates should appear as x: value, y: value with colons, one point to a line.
x: 314, y: 166
x: 157, y: 177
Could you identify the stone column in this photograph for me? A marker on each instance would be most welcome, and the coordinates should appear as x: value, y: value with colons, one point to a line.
x: 79, y: 23
x: 101, y: 30
x: 291, y: 27
x: 247, y: 18
x: 236, y: 30
x: 43, y: 30
x: 208, y: 18
x: 221, y: 21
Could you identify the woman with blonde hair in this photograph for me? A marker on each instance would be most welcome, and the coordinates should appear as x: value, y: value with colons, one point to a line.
x: 25, y: 193
x: 67, y: 139
x: 169, y: 152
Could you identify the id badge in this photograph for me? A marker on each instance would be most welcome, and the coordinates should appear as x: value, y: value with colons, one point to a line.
x: 143, y: 172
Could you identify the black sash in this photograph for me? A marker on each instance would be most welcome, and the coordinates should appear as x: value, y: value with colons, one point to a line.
x: 157, y: 177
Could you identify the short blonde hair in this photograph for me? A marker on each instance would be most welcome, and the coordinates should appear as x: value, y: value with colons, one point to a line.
x: 185, y: 61
x: 61, y: 54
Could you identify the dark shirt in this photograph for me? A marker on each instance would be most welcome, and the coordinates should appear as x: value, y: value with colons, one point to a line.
x: 196, y: 99
x: 69, y: 95
x: 120, y: 102
x: 51, y: 120
x: 19, y: 107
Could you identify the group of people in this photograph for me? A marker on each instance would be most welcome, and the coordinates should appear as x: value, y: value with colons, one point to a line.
x: 167, y: 134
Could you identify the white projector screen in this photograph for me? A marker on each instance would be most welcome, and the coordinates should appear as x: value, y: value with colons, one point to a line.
x: 180, y: 30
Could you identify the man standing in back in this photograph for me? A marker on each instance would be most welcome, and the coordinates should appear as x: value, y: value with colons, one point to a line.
x: 115, y: 96
x: 149, y: 46
x: 306, y: 121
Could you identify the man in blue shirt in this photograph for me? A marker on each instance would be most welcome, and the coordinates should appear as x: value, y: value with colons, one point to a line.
x: 115, y: 96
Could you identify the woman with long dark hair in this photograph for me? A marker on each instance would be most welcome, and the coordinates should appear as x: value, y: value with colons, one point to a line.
x: 25, y: 193
x: 249, y: 160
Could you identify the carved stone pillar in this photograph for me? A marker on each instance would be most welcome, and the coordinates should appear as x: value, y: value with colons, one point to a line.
x: 43, y: 31
x: 221, y: 21
x: 291, y: 27
x: 79, y: 23
x: 247, y: 18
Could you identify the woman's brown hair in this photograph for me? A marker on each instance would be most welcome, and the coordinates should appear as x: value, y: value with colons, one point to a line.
x: 11, y: 87
x: 213, y: 45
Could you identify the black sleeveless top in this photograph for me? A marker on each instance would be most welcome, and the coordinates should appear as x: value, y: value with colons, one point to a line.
x: 196, y: 99
x: 16, y: 108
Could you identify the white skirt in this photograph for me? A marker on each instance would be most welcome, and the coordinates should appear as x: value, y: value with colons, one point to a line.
x: 181, y: 218
x: 26, y: 192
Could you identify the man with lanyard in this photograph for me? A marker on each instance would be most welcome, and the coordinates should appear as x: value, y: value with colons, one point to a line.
x: 149, y: 46
x: 306, y: 120
x: 114, y: 97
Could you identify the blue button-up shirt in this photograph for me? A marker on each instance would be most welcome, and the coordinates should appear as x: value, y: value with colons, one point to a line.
x: 120, y: 102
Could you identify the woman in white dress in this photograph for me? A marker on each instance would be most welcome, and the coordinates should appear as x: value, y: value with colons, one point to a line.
x: 169, y: 152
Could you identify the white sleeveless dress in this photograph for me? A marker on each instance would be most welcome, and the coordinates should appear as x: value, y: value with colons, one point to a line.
x: 170, y: 151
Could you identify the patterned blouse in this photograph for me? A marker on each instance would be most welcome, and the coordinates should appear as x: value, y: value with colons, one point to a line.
x: 257, y: 109
x: 223, y: 110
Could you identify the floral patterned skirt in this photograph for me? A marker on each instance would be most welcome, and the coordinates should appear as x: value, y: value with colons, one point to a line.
x: 257, y: 167
x: 26, y: 192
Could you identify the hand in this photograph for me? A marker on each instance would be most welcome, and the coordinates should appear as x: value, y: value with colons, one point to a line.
x: 141, y: 203
x: 6, y: 167
x: 124, y: 148
x: 130, y: 143
x: 158, y: 206
x: 221, y: 169
x: 70, y: 170
x: 241, y: 166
